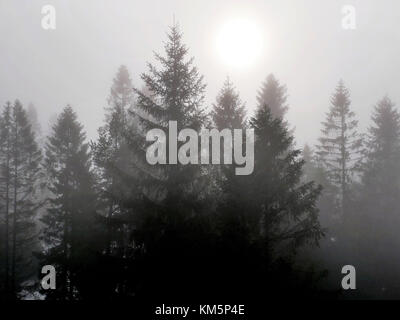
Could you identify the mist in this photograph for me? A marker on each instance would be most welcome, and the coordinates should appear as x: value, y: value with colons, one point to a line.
x: 305, y: 46
x: 314, y: 98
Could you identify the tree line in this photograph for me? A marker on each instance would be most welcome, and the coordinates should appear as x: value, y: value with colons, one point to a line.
x: 115, y: 227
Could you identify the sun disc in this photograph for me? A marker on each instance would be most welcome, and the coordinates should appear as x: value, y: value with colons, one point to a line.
x: 239, y: 43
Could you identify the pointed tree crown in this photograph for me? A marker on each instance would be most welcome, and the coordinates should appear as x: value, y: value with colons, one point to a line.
x: 228, y: 111
x: 384, y: 134
x: 274, y: 95
x: 66, y: 149
x: 340, y: 143
x: 176, y: 89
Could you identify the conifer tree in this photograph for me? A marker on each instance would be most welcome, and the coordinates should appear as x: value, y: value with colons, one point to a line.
x: 110, y: 152
x: 176, y: 94
x: 381, y: 170
x: 228, y: 111
x: 25, y: 178
x: 112, y: 157
x: 285, y: 206
x: 377, y: 218
x: 274, y: 95
x: 120, y: 101
x: 70, y: 218
x: 21, y: 172
x: 340, y: 145
x: 275, y: 213
x: 170, y: 203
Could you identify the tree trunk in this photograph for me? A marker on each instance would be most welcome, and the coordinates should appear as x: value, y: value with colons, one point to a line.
x: 14, y: 226
x: 7, y: 244
x: 343, y: 170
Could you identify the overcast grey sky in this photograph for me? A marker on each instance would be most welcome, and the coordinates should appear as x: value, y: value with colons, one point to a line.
x: 305, y: 47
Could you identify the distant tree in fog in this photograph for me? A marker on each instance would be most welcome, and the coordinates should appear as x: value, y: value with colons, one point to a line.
x: 381, y: 169
x: 20, y: 177
x: 340, y: 144
x: 34, y: 121
x: 228, y: 111
x: 274, y: 94
x: 111, y: 154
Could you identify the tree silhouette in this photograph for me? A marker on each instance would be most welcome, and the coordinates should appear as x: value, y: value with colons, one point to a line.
x: 274, y: 95
x: 21, y: 172
x: 70, y: 217
x: 228, y: 111
x: 340, y: 144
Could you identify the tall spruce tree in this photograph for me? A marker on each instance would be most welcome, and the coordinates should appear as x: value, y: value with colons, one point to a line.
x: 170, y: 204
x: 381, y: 170
x: 340, y: 145
x: 120, y: 101
x: 70, y: 218
x: 112, y: 157
x: 375, y: 222
x: 228, y: 113
x: 274, y: 214
x: 176, y: 94
x: 21, y: 171
x: 111, y: 154
x: 25, y: 164
x: 285, y: 206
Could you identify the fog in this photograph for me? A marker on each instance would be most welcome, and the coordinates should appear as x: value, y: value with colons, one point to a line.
x: 305, y: 47
x: 309, y: 199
